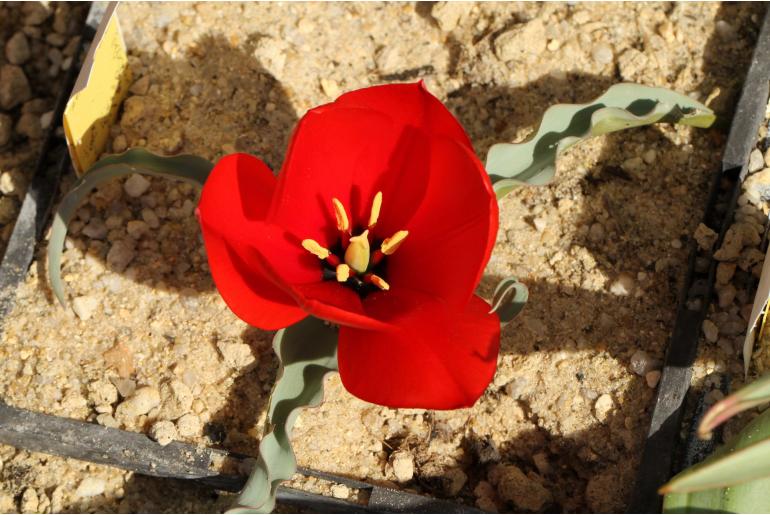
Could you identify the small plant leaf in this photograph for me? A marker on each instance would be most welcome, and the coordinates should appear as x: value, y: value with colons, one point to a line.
x: 750, y: 396
x: 509, y: 299
x: 735, y: 479
x: 620, y: 107
x: 308, y: 352
x: 184, y: 167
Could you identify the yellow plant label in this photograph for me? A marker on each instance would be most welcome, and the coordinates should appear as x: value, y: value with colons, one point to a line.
x: 101, y: 86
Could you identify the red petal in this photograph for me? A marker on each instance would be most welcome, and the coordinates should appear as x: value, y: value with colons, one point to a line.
x: 245, y: 287
x: 408, y: 104
x: 452, y: 235
x: 434, y: 358
x: 349, y: 154
x: 240, y: 188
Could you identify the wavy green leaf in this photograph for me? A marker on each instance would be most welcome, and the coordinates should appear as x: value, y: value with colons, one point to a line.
x: 735, y: 479
x: 621, y: 107
x: 308, y: 352
x: 509, y: 299
x: 184, y: 167
x: 750, y: 396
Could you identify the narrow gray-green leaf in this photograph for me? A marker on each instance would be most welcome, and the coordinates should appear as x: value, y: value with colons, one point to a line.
x: 750, y: 396
x: 185, y: 167
x: 622, y: 106
x: 509, y: 299
x: 308, y: 352
x: 735, y: 479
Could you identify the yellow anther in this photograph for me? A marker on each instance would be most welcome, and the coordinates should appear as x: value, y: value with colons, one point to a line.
x: 343, y: 272
x: 376, y: 205
x: 379, y: 282
x: 343, y: 224
x: 357, y: 253
x: 390, y: 245
x: 315, y: 248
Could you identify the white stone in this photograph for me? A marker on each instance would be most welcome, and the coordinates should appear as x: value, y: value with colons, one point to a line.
x: 143, y: 400
x: 340, y: 492
x: 622, y: 285
x: 603, y: 406
x: 756, y: 161
x: 136, y: 186
x: 85, y: 306
x: 403, y: 466
x: 90, y: 487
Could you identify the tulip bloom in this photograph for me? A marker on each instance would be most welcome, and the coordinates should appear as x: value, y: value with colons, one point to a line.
x: 381, y: 220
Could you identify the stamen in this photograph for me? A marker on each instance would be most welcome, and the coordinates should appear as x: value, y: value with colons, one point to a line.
x: 378, y: 281
x: 390, y: 245
x: 357, y: 253
x: 343, y: 224
x: 376, y: 205
x: 315, y: 248
x: 343, y: 272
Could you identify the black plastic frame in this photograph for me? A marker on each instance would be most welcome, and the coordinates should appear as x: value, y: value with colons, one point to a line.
x: 663, y: 442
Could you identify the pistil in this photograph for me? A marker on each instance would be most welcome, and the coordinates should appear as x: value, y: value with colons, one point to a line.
x: 357, y: 253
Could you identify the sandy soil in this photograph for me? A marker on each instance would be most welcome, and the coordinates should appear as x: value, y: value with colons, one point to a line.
x: 603, y: 250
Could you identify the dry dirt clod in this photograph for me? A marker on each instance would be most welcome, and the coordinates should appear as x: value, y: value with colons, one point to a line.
x: 521, y: 43
x: 188, y: 425
x: 515, y: 487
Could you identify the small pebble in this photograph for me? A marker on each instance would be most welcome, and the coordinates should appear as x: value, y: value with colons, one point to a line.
x: 14, y: 87
x: 90, y: 487
x: 17, y: 49
x: 189, y: 425
x: 119, y: 144
x: 163, y: 432
x: 650, y: 156
x: 143, y: 400
x: 136, y: 186
x: 603, y: 406
x: 756, y: 161
x: 622, y: 285
x: 340, y: 491
x: 596, y: 233
x: 85, y: 306
x: 403, y: 465
x: 724, y: 29
x: 641, y: 363
x: 710, y: 331
x: 602, y: 53
x: 46, y: 119
x: 652, y: 377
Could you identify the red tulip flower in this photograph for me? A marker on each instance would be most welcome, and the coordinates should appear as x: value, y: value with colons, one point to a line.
x: 381, y: 220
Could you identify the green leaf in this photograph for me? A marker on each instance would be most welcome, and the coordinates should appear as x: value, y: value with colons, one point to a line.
x: 735, y: 479
x: 185, y: 167
x: 622, y: 106
x: 509, y: 299
x: 308, y: 352
x: 750, y: 396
